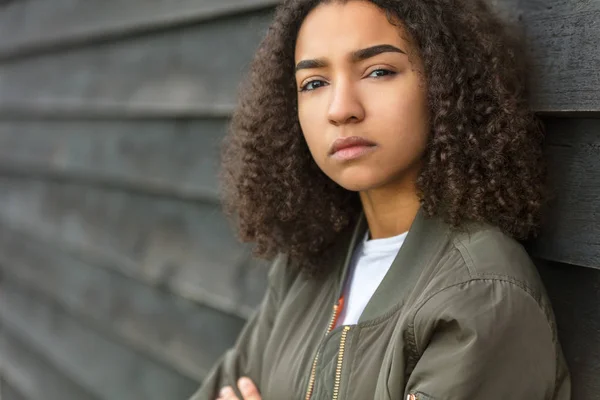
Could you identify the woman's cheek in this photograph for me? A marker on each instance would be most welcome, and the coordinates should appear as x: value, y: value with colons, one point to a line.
x: 314, y: 139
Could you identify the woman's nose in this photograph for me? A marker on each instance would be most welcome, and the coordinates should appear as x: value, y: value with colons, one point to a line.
x: 345, y: 106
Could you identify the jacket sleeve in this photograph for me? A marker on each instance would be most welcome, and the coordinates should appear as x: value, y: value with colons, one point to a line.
x: 486, y: 339
x: 245, y: 358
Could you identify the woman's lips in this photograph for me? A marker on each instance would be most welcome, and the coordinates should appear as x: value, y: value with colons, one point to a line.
x: 352, y: 153
x: 351, y: 148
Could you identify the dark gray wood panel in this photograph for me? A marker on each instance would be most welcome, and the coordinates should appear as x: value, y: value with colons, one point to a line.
x: 29, y: 376
x: 31, y: 26
x: 187, y: 247
x: 171, y: 157
x: 575, y: 295
x: 572, y: 230
x: 198, y: 67
x: 563, y: 37
x: 186, y: 336
x: 105, y: 368
x: 7, y: 392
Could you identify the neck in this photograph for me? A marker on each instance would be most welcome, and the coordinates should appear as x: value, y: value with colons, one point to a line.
x: 391, y: 209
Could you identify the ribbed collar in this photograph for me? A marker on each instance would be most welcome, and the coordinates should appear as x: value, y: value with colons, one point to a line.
x: 425, y: 238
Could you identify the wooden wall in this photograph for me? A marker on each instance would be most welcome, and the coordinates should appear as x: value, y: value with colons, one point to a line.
x: 120, y: 278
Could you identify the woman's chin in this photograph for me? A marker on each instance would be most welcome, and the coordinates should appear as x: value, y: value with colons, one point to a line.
x: 358, y: 183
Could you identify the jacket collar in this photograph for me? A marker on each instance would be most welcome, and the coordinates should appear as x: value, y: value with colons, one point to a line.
x: 426, y: 237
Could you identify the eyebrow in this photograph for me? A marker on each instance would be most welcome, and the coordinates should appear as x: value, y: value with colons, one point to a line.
x: 357, y: 56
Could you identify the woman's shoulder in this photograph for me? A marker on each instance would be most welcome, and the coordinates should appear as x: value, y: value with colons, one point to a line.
x: 488, y: 253
x: 281, y: 273
x: 284, y: 272
x: 485, y: 269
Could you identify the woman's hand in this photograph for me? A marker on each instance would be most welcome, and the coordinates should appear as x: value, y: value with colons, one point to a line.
x: 247, y: 388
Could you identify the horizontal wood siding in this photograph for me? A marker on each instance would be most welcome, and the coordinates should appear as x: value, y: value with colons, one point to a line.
x: 571, y: 232
x: 175, y: 158
x: 104, y: 367
x: 171, y: 329
x: 30, y: 27
x: 563, y: 37
x: 575, y: 294
x: 186, y: 247
x: 197, y: 68
x: 8, y: 392
x: 31, y: 373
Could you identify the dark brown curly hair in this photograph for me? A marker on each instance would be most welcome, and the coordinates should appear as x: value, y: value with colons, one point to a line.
x: 483, y: 162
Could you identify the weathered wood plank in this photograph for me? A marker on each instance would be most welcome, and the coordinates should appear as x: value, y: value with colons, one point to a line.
x: 186, y: 336
x: 563, y: 38
x: 105, y: 368
x: 196, y: 67
x: 29, y: 376
x: 30, y: 27
x: 575, y: 295
x: 196, y: 70
x: 170, y: 157
x: 95, y: 110
x: 7, y: 392
x: 183, y: 246
x: 572, y: 230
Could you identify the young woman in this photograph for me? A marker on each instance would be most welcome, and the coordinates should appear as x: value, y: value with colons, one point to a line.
x: 383, y: 153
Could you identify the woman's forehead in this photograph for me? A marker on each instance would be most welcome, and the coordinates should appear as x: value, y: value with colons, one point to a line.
x: 333, y: 29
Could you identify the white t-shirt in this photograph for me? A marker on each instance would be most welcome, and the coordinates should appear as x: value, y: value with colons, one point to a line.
x: 370, y: 262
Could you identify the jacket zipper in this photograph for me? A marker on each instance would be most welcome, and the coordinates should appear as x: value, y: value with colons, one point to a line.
x: 311, y: 380
x: 340, y: 361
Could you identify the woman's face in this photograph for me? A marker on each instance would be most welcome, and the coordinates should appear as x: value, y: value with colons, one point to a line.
x: 361, y: 104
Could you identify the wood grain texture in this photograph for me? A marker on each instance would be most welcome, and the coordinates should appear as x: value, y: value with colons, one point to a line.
x: 184, y: 335
x: 572, y: 230
x: 187, y: 248
x: 103, y: 367
x: 27, y: 375
x: 29, y: 27
x: 198, y: 67
x: 563, y: 38
x: 575, y: 295
x: 176, y: 158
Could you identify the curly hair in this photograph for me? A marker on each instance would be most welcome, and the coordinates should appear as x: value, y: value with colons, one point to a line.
x: 484, y: 157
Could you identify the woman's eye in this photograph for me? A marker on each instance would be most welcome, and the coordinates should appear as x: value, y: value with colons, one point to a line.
x: 381, y: 72
x: 312, y: 85
x: 315, y: 84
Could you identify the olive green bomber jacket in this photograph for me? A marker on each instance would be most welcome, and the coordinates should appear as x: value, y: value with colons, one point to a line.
x: 459, y: 315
